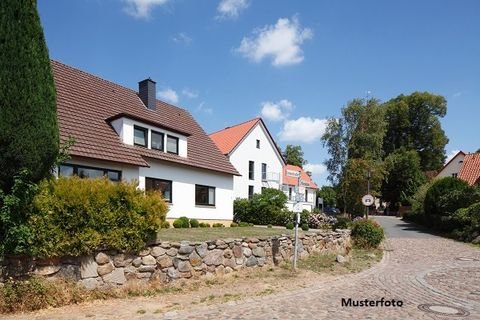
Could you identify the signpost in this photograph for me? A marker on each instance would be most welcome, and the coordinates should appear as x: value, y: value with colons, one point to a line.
x: 297, y: 208
x: 367, y: 201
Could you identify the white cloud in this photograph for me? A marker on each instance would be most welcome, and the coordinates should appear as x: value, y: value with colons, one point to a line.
x: 281, y: 42
x: 276, y: 111
x: 303, y: 129
x: 314, y: 168
x: 190, y: 93
x: 141, y: 8
x: 458, y: 94
x: 452, y: 154
x: 182, y: 38
x: 230, y: 9
x: 168, y: 95
x: 202, y: 108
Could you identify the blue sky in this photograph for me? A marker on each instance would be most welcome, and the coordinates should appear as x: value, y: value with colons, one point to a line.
x: 293, y: 62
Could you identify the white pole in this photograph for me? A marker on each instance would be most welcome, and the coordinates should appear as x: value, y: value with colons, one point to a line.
x: 297, y: 221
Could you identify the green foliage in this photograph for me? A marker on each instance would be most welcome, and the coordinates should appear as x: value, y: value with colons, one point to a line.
x: 304, y: 226
x: 265, y: 208
x: 29, y: 137
x: 245, y: 224
x: 290, y: 226
x: 269, y: 226
x: 204, y: 225
x: 165, y: 225
x: 182, y: 222
x: 294, y: 155
x: 367, y: 234
x: 218, y: 225
x: 74, y: 216
x: 194, y: 223
x: 234, y: 225
x: 466, y: 222
x: 342, y: 223
x: 329, y: 196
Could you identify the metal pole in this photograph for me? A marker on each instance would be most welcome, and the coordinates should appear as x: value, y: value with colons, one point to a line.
x: 297, y: 220
x: 368, y: 189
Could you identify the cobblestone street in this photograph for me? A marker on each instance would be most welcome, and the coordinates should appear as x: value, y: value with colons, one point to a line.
x: 417, y: 269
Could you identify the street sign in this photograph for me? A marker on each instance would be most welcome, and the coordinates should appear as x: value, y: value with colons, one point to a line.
x: 297, y: 207
x: 368, y: 200
x: 292, y: 173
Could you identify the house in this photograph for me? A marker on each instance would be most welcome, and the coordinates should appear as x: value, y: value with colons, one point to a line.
x: 128, y: 135
x: 253, y: 152
x: 452, y: 167
x: 299, y: 188
x: 470, y: 171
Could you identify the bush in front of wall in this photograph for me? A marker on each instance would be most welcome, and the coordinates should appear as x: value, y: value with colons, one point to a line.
x: 269, y: 226
x: 367, y: 234
x: 182, y: 222
x: 165, y: 225
x: 204, y: 225
x: 194, y: 223
x: 290, y: 226
x: 218, y: 225
x: 233, y: 225
x: 304, y: 226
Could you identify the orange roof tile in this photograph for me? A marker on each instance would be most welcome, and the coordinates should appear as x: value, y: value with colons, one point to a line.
x: 470, y: 171
x: 293, y: 180
x: 228, y: 138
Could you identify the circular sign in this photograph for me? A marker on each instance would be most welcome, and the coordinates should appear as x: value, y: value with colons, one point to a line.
x: 368, y: 200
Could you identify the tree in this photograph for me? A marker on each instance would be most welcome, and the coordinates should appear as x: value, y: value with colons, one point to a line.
x: 413, y: 123
x: 328, y: 195
x: 294, y: 155
x: 28, y: 121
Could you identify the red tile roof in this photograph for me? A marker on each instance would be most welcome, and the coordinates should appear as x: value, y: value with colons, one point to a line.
x: 293, y: 181
x: 470, y: 171
x: 85, y: 103
x: 227, y: 139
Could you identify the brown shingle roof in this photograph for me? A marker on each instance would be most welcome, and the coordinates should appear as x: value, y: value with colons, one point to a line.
x: 85, y: 103
x: 470, y: 171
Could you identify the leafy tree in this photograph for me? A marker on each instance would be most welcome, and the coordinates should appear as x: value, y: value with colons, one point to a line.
x: 329, y: 196
x: 403, y: 177
x: 294, y: 155
x: 28, y: 121
x: 414, y: 124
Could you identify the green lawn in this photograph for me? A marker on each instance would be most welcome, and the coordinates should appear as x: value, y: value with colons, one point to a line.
x: 203, y: 234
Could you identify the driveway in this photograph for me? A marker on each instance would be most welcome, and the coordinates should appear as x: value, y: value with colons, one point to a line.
x: 431, y: 277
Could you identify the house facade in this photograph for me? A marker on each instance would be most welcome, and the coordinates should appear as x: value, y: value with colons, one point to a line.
x: 300, y: 189
x: 130, y: 135
x: 253, y: 152
x: 452, y: 167
x: 465, y: 166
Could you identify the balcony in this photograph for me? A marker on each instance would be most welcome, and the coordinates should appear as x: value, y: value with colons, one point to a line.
x: 271, y: 177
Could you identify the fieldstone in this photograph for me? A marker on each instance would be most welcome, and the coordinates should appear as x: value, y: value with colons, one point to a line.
x: 247, y: 252
x: 219, y: 242
x: 259, y: 252
x: 230, y: 262
x: 143, y: 275
x: 237, y: 251
x: 175, y: 245
x: 185, y: 274
x: 185, y: 249
x: 102, y: 258
x: 202, y: 250
x: 172, y: 252
x: 46, y: 270
x: 144, y: 252
x: 239, y: 261
x: 149, y: 260
x: 252, y: 245
x: 341, y: 259
x: 158, y: 251
x: 195, y: 259
x: 228, y: 270
x: 184, y: 266
x: 165, y: 261
x: 228, y: 253
x: 220, y: 270
x: 130, y: 269
x: 137, y: 262
x: 90, y: 283
x: 148, y: 268
x: 261, y: 261
x: 69, y: 272
x: 211, y: 247
x: 251, y: 261
x: 159, y: 276
x: 165, y: 245
x: 476, y: 240
x: 88, y: 267
x: 122, y: 260
x: 254, y: 240
x: 214, y: 257
x: 117, y: 276
x: 172, y: 273
x: 244, y: 244
x: 104, y: 269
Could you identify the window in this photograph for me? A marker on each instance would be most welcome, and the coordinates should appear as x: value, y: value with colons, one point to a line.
x: 140, y: 136
x: 290, y: 193
x: 164, y: 186
x: 204, y: 195
x: 157, y: 140
x: 264, y: 171
x: 172, y: 144
x: 455, y: 175
x: 251, y: 170
x: 258, y: 144
x: 68, y: 170
x: 306, y: 195
x: 250, y: 192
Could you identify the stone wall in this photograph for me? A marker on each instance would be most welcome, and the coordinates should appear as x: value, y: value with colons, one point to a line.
x: 167, y: 261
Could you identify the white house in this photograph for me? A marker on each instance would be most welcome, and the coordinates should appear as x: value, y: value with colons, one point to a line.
x: 299, y: 188
x: 252, y: 150
x: 128, y: 135
x: 452, y: 167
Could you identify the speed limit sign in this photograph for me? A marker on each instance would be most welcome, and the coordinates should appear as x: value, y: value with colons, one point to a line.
x: 367, y: 200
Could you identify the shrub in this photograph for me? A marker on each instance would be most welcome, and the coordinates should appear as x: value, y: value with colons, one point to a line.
x: 367, y: 234
x: 182, y: 222
x: 265, y: 208
x: 194, y: 223
x: 244, y: 224
x: 218, y: 225
x: 165, y: 225
x: 234, y: 225
x: 204, y: 225
x: 74, y: 216
x: 342, y: 223
x: 304, y: 227
x: 290, y: 226
x: 269, y: 226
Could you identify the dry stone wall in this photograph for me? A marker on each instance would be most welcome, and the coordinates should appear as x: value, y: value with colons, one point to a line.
x: 167, y: 261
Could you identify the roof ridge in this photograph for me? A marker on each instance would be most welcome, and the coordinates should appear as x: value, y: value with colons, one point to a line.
x: 236, y: 125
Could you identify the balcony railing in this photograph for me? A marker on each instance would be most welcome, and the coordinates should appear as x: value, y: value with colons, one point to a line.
x: 271, y: 176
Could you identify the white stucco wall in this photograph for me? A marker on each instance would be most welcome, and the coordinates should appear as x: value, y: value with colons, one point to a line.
x: 247, y: 151
x: 453, y: 167
x: 183, y: 190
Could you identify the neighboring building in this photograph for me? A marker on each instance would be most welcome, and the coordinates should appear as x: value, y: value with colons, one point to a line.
x: 129, y: 135
x: 470, y: 171
x: 299, y: 188
x: 452, y: 167
x: 252, y: 150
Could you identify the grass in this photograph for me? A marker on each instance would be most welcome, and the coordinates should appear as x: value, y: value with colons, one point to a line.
x: 204, y: 234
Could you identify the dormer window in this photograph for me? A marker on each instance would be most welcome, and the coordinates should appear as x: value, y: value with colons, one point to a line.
x: 172, y: 144
x: 157, y: 140
x: 140, y: 136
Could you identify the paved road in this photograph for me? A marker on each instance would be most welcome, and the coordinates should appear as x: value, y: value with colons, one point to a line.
x: 417, y: 269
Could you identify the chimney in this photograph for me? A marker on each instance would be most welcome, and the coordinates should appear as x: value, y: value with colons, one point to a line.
x: 147, y: 93
x: 309, y: 173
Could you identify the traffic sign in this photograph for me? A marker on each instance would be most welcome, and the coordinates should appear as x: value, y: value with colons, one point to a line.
x: 368, y: 200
